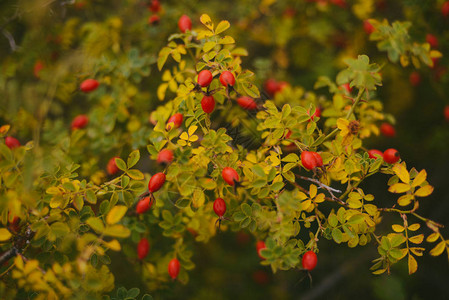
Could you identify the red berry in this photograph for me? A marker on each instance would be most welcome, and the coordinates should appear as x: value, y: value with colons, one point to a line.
x: 154, y: 20
x: 316, y: 114
x: 446, y: 113
x: 341, y: 3
x: 89, y: 85
x: 112, y: 166
x: 391, y: 156
x: 227, y: 78
x: 14, y: 225
x: 281, y: 86
x: 311, y: 160
x: 309, y: 260
x: 142, y: 248
x: 387, y: 130
x: 176, y: 119
x: 445, y: 9
x: 219, y: 207
x: 205, y: 78
x: 208, y: 104
x: 230, y: 175
x: 271, y: 86
x: 375, y: 154
x: 144, y: 205
x: 155, y: 6
x: 80, y: 122
x: 368, y: 27
x: 432, y: 40
x: 347, y: 87
x: 12, y: 142
x: 38, y: 66
x: 173, y: 268
x: 156, y: 182
x: 415, y: 78
x: 260, y: 245
x: 247, y: 103
x: 165, y: 156
x: 288, y: 134
x: 184, y: 23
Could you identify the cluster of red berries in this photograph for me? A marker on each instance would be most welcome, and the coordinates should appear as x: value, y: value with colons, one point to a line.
x: 272, y: 86
x: 390, y: 156
x: 155, y: 8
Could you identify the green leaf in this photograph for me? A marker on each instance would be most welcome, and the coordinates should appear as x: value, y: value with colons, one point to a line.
x: 258, y: 171
x: 222, y: 26
x: 120, y: 164
x: 116, y: 214
x: 209, y: 46
x: 133, y: 158
x: 292, y: 157
x: 91, y: 197
x: 356, y: 219
x: 117, y: 230
x: 337, y: 235
x: 247, y: 209
x: 135, y: 174
x: 96, y: 224
x: 227, y: 40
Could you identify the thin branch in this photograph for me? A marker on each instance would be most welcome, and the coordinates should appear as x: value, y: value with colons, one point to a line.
x: 412, y: 213
x: 11, y: 40
x: 335, y: 199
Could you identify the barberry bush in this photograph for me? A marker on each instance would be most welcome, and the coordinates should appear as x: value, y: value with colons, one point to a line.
x: 136, y: 135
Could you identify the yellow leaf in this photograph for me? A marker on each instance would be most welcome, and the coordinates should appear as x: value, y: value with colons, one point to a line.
x: 4, y: 129
x: 418, y: 251
x: 117, y: 230
x: 206, y: 21
x: 412, y: 264
x: 4, y: 234
x: 301, y: 196
x: 319, y: 198
x: 433, y: 237
x: 114, y: 245
x: 414, y: 227
x: 398, y: 228
x: 184, y: 136
x: 182, y: 142
x: 116, y: 214
x: 343, y: 124
x: 193, y: 138
x: 417, y: 239
x: 402, y: 172
x: 18, y: 261
x: 306, y: 204
x: 405, y: 200
x: 438, y: 249
x: 424, y: 191
x: 399, y: 188
x: 53, y: 190
x: 222, y: 26
x: 420, y: 178
x: 312, y: 190
x: 192, y: 129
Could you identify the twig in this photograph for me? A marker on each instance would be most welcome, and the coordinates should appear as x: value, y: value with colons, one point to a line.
x: 412, y: 213
x: 335, y: 199
x: 321, y: 185
x: 12, y: 42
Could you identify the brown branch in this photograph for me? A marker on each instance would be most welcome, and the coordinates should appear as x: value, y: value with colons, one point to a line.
x: 19, y: 244
x: 329, y: 189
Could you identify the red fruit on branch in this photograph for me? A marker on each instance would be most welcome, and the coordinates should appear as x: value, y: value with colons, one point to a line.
x: 311, y: 160
x: 309, y: 260
x: 260, y: 245
x: 387, y: 130
x: 80, y: 122
x: 155, y: 6
x: 208, y: 104
x: 317, y: 113
x: 154, y: 20
x: 89, y: 85
x: 230, y: 175
x: 375, y: 154
x: 12, y: 142
x: 347, y: 87
x: 165, y: 156
x: 173, y: 268
x: 368, y: 27
x: 144, y: 205
x: 415, y: 78
x: 445, y: 9
x: 205, y: 78
x: 432, y: 40
x: 142, y: 248
x: 227, y: 78
x: 247, y: 103
x: 184, y: 23
x: 112, y: 168
x: 391, y: 156
x: 219, y: 207
x: 288, y: 134
x: 271, y: 86
x: 156, y: 182
x: 14, y: 225
x: 176, y: 119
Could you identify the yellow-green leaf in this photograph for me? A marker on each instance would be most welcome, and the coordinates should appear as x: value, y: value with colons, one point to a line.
x: 417, y: 239
x: 424, y: 191
x: 206, y: 21
x: 114, y: 245
x: 135, y: 174
x: 226, y: 40
x: 222, y: 26
x: 312, y: 190
x: 433, y: 237
x: 209, y: 46
x: 399, y: 188
x: 117, y: 230
x: 420, y: 178
x: 4, y: 234
x: 116, y: 214
x: 412, y: 264
x: 96, y: 224
x: 405, y: 200
x: 398, y: 228
x: 402, y: 172
x: 438, y: 249
x: 414, y: 227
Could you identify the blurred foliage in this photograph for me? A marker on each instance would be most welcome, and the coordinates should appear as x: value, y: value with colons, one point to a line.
x: 69, y: 227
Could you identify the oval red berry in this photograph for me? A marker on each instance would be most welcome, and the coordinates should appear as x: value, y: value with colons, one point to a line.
x: 165, y: 156
x: 205, y: 78
x: 89, y: 85
x: 219, y: 207
x: 154, y: 20
x: 12, y: 142
x: 227, y: 78
x: 156, y: 182
x: 208, y: 104
x: 173, y: 268
x: 309, y: 260
x: 184, y: 23
x: 80, y: 122
x: 112, y: 168
x: 271, y: 86
x: 230, y: 175
x: 311, y: 160
x: 260, y: 245
x: 391, y: 156
x: 143, y: 248
x: 247, y: 103
x: 375, y: 154
x: 176, y: 119
x: 387, y: 130
x: 144, y: 205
